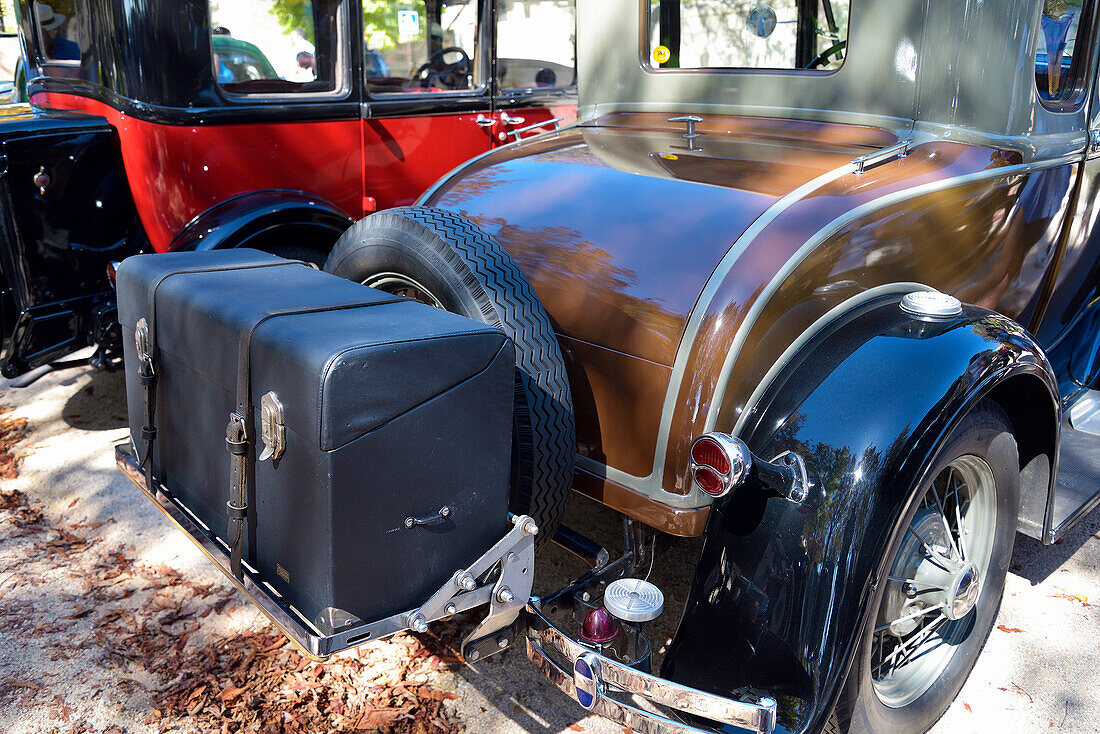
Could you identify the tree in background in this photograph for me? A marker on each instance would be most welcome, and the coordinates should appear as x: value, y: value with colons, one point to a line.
x: 379, y: 19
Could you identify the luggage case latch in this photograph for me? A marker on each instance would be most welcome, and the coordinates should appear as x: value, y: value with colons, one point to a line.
x: 272, y: 427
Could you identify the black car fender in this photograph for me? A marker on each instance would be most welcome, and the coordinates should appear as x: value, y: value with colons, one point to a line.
x: 782, y: 590
x: 264, y: 220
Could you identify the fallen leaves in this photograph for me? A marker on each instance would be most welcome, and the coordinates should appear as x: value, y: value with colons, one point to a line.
x: 1004, y: 628
x: 128, y: 618
x: 12, y: 431
x: 1079, y: 598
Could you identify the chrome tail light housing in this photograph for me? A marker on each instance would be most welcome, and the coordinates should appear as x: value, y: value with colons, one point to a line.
x: 719, y: 463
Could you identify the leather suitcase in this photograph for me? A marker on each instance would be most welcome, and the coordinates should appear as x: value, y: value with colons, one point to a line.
x: 365, y: 415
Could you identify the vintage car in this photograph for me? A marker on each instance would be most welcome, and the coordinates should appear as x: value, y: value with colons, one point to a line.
x: 195, y: 125
x: 818, y: 283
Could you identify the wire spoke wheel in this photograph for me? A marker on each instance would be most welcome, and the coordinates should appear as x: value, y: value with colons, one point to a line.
x: 935, y: 581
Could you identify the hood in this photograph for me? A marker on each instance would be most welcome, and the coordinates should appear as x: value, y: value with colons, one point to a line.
x: 619, y: 223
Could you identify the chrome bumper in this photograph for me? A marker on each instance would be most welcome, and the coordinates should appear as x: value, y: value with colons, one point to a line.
x: 592, y: 679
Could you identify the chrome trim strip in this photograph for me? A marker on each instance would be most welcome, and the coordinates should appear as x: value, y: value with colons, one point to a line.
x: 830, y: 229
x: 828, y: 317
x: 310, y: 641
x: 612, y: 676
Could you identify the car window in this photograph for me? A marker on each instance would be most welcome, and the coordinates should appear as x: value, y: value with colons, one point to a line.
x: 62, y: 30
x: 269, y: 47
x: 418, y: 47
x: 785, y: 34
x: 1059, y: 72
x: 536, y: 43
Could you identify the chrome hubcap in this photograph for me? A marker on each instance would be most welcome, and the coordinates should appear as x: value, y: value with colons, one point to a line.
x: 935, y: 582
x: 402, y: 285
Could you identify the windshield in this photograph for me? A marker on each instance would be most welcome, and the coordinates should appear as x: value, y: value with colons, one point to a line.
x: 786, y: 34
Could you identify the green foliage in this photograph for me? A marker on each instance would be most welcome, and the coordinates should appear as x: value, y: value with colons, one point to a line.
x: 379, y: 18
x: 294, y: 14
x: 380, y: 21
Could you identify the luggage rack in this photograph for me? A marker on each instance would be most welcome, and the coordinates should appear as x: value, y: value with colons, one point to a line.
x: 507, y: 595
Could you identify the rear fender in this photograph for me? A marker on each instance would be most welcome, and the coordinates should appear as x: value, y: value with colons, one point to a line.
x: 782, y: 591
x: 263, y: 220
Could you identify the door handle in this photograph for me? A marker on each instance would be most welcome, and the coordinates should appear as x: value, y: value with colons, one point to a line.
x: 484, y: 121
x: 509, y: 120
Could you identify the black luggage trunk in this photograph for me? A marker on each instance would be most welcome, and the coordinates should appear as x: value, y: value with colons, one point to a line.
x: 391, y: 410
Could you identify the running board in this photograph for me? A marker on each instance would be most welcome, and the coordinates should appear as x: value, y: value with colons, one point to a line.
x: 1078, y: 485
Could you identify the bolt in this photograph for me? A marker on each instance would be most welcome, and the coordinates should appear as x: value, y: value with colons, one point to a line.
x: 505, y: 595
x: 473, y: 655
x: 510, y: 557
x: 450, y: 609
x: 586, y: 596
x: 465, y: 580
x: 909, y: 588
x: 418, y: 624
x: 530, y: 528
x: 502, y: 642
x: 444, y: 511
x: 409, y: 522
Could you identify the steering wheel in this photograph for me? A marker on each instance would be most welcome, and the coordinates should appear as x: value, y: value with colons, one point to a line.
x: 437, y: 72
x: 833, y: 53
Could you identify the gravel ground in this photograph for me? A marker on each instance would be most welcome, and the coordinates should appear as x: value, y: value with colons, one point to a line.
x: 106, y: 612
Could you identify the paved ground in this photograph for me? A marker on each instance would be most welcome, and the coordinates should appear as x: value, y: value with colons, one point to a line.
x: 110, y: 620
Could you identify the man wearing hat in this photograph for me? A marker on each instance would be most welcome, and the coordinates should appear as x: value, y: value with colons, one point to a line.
x: 57, y: 46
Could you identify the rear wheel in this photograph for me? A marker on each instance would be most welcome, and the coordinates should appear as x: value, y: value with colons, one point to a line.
x: 444, y: 260
x: 943, y: 587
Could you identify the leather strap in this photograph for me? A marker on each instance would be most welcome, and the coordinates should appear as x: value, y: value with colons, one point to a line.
x: 239, y: 432
x: 147, y: 374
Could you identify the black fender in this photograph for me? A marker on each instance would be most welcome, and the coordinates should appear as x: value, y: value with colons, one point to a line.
x: 782, y: 591
x: 263, y: 219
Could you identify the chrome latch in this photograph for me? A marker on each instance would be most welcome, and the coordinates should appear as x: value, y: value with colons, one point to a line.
x: 41, y: 180
x: 900, y: 150
x: 272, y: 427
x: 691, y: 120
x: 141, y: 342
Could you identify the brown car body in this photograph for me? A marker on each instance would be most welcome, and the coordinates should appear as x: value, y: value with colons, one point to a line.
x: 682, y: 275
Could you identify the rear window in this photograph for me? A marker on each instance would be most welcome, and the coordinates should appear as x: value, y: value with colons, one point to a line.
x: 1059, y: 61
x: 718, y: 34
x: 270, y: 47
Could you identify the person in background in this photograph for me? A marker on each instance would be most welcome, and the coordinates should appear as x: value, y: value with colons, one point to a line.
x: 57, y: 47
x: 305, y: 71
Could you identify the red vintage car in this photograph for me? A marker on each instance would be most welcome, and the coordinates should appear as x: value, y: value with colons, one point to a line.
x: 196, y: 125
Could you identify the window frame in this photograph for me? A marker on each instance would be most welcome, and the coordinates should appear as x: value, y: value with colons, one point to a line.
x: 646, y: 56
x: 482, y: 59
x: 1083, y: 67
x: 342, y: 86
x: 520, y: 92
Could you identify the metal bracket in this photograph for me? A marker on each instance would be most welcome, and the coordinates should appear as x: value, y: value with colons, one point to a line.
x: 515, y: 553
x: 799, y: 487
x: 141, y: 343
x: 412, y: 522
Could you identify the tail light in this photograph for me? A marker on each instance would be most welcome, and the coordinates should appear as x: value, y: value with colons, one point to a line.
x: 719, y: 462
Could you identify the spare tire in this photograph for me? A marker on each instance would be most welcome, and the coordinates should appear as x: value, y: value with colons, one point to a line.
x: 445, y: 260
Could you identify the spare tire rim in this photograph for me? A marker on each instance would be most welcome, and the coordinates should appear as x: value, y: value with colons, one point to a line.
x: 935, y: 582
x: 398, y: 284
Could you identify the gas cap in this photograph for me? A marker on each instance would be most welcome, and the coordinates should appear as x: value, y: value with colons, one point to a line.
x: 931, y: 303
x: 633, y: 600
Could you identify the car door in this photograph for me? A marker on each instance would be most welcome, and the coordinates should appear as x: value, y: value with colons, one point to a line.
x: 428, y: 104
x: 534, y: 67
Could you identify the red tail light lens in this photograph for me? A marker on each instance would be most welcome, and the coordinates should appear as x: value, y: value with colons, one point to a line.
x: 599, y: 627
x: 708, y: 481
x: 719, y: 462
x: 706, y: 452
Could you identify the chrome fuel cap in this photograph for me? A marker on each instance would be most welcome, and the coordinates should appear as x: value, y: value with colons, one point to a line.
x: 931, y: 303
x: 633, y: 600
